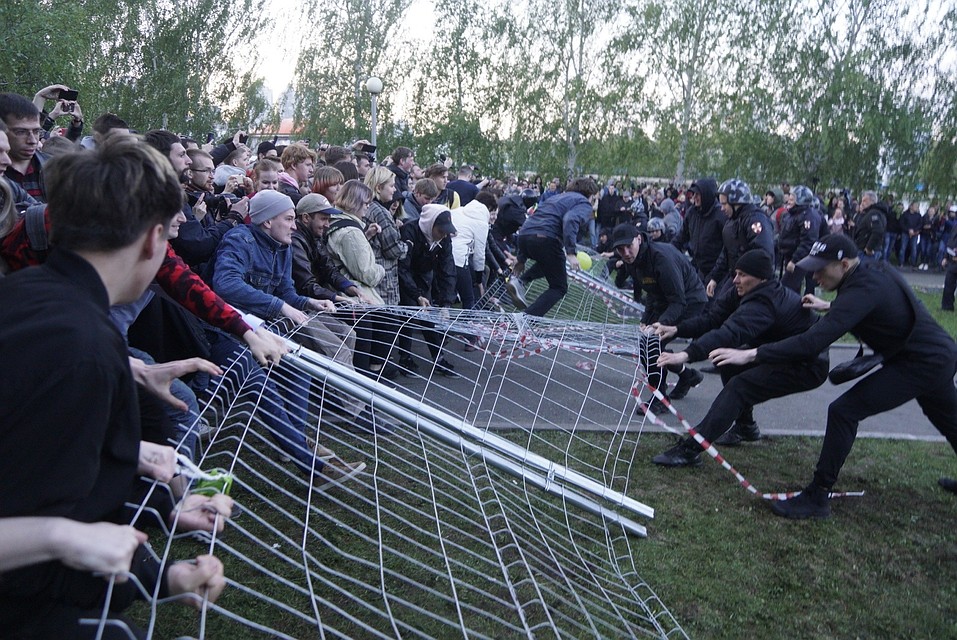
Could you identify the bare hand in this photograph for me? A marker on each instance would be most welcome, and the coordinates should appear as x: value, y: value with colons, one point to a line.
x: 48, y: 93
x: 724, y: 356
x: 372, y: 230
x: 267, y: 348
x: 573, y: 262
x: 790, y: 266
x: 197, y: 512
x: 156, y: 378
x: 666, y: 358
x: 664, y: 331
x: 232, y: 183
x: 156, y: 461
x: 60, y: 109
x: 710, y: 288
x: 199, y: 210
x: 323, y: 305
x: 204, y: 578
x: 424, y: 302
x: 241, y: 207
x: 236, y: 137
x: 810, y: 301
x: 294, y: 314
x: 98, y: 546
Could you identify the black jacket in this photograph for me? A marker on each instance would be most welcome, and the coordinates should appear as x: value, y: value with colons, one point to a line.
x: 401, y: 179
x: 749, y: 228
x: 700, y: 235
x: 672, y: 287
x: 294, y: 194
x: 876, y: 305
x: 800, y: 228
x: 869, y: 227
x: 768, y: 313
x: 511, y: 217
x: 426, y: 271
x: 313, y: 272
x: 197, y: 241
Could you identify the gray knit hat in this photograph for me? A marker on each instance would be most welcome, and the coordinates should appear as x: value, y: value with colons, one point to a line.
x: 266, y: 205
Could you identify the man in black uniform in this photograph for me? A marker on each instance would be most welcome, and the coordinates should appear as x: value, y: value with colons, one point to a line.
x: 869, y: 225
x: 700, y: 235
x: 747, y: 228
x: 949, y: 263
x: 757, y: 310
x: 672, y: 290
x: 920, y: 359
x: 800, y: 228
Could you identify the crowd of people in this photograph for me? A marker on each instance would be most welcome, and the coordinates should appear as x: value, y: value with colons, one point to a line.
x: 122, y: 251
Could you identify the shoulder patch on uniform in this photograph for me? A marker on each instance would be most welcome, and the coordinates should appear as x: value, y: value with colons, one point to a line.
x: 807, y: 224
x: 757, y: 228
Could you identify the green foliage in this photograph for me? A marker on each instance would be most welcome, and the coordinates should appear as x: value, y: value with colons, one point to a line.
x: 357, y: 40
x: 851, y: 94
x: 154, y: 64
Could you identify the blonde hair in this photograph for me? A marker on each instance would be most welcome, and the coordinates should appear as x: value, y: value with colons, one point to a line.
x: 378, y: 177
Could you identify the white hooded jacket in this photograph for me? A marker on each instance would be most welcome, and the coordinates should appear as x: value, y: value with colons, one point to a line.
x: 471, y: 226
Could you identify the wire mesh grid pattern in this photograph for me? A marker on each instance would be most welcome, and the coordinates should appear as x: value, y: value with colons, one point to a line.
x: 487, y: 508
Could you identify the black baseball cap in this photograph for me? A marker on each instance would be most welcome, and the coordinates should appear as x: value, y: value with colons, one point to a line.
x: 443, y: 222
x: 623, y: 234
x: 830, y: 248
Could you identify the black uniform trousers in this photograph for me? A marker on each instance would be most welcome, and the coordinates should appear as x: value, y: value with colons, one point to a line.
x: 895, y: 383
x: 950, y: 285
x: 748, y: 385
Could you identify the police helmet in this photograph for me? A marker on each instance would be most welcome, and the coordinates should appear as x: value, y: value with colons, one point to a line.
x: 737, y: 191
x: 803, y: 196
x: 529, y: 197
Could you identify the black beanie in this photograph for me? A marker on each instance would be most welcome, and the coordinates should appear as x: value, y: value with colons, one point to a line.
x: 756, y: 263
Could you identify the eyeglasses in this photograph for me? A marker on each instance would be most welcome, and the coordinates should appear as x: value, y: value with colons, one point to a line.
x: 23, y: 133
x: 195, y: 170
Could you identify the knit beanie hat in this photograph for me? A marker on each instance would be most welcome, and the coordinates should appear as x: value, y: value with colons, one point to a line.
x: 756, y: 263
x: 266, y: 205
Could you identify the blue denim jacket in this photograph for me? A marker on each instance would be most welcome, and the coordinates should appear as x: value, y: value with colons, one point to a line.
x: 253, y: 272
x: 561, y: 217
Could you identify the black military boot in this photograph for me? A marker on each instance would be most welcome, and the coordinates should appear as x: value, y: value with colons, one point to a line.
x: 686, y: 453
x: 948, y: 484
x: 813, y: 502
x: 738, y: 433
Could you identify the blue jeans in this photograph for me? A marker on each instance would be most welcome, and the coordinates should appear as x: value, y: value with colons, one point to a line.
x: 866, y: 258
x: 889, y: 239
x: 908, y: 249
x: 284, y: 419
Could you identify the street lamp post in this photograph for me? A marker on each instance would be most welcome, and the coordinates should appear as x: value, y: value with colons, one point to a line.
x: 374, y: 87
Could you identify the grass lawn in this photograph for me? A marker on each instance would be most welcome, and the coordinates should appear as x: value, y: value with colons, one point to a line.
x: 883, y: 566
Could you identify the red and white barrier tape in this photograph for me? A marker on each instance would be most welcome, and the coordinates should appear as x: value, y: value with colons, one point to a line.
x: 714, y: 453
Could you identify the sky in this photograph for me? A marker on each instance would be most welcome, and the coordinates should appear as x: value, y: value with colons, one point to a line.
x: 279, y: 62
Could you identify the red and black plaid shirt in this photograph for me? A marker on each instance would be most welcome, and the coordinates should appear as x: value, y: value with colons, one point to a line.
x: 174, y: 276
